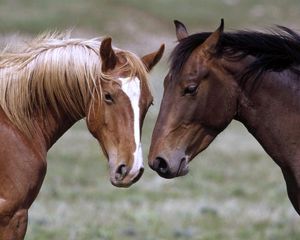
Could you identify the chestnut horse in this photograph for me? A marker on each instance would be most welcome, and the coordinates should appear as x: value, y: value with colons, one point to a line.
x: 47, y: 87
x: 249, y: 76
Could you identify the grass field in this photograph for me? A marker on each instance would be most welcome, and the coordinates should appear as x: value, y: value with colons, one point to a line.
x: 227, y: 195
x: 233, y: 191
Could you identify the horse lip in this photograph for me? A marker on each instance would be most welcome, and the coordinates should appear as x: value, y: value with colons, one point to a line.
x: 121, y: 183
x: 183, y: 168
x: 138, y: 176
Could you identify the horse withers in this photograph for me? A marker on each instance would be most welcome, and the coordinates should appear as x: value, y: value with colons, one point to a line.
x: 46, y: 88
x: 249, y: 76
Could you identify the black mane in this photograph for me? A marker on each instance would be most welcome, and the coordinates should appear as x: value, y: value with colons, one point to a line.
x: 274, y: 51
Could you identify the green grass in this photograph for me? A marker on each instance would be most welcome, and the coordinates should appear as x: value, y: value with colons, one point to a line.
x: 119, y: 17
x: 227, y: 195
x: 233, y: 191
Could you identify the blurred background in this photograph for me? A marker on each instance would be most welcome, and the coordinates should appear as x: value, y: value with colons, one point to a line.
x: 233, y: 190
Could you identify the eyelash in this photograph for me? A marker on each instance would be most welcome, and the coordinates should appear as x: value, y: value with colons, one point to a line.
x: 108, y: 98
x: 190, y: 90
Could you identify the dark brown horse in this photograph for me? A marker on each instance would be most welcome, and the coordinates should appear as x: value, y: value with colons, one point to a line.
x: 44, y: 90
x: 249, y: 76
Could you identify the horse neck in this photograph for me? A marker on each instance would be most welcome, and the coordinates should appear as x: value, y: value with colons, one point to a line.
x: 50, y: 127
x: 272, y: 112
x: 58, y: 96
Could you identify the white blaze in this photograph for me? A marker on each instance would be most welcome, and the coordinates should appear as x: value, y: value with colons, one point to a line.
x: 132, y: 88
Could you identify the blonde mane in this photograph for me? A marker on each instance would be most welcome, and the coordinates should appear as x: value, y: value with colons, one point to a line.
x: 57, y: 73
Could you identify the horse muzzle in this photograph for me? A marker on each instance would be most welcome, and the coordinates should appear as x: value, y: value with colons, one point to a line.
x: 170, y: 168
x: 123, y: 177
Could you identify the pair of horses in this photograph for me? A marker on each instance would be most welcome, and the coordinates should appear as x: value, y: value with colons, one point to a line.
x: 213, y: 78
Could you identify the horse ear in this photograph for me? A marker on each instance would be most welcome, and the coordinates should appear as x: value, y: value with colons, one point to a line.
x: 212, y: 41
x: 150, y: 60
x: 181, y: 31
x: 108, y: 56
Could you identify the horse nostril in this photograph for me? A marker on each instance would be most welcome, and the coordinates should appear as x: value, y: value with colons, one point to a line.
x: 121, y: 172
x: 162, y: 166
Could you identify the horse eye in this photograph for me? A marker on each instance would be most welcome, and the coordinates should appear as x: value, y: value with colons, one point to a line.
x: 108, y: 98
x: 190, y: 90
